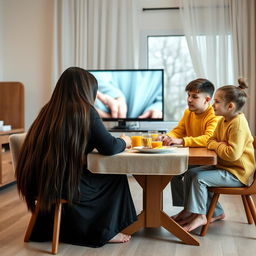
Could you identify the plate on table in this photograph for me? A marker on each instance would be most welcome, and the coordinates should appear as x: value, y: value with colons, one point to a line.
x: 155, y: 150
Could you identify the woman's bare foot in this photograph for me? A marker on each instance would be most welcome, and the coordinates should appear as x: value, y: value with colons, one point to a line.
x: 120, y: 238
x: 181, y: 215
x: 219, y: 217
x: 198, y: 221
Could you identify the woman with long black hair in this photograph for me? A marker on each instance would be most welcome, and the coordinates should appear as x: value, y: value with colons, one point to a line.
x: 52, y: 166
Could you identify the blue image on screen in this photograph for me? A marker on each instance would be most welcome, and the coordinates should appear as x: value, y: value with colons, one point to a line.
x: 142, y: 90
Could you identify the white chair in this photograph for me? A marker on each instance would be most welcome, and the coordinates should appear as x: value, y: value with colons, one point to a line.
x: 16, y: 141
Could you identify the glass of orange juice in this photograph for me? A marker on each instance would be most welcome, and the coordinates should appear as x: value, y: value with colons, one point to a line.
x: 154, y: 135
x: 157, y: 144
x: 136, y: 141
x: 147, y: 141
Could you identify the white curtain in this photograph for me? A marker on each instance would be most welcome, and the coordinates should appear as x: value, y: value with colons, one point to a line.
x: 243, y: 23
x: 95, y: 34
x: 207, y: 30
x: 222, y: 43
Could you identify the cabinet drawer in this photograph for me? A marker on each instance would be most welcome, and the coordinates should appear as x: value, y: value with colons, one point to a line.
x: 7, y: 172
x: 4, y: 139
x: 6, y: 157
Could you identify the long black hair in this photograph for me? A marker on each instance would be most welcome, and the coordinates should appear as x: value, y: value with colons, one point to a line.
x: 53, y: 155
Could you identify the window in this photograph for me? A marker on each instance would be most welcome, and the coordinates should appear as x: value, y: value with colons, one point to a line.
x: 171, y: 53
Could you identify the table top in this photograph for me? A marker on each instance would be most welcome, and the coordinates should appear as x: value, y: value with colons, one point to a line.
x: 130, y: 162
x: 202, y: 156
x: 20, y: 130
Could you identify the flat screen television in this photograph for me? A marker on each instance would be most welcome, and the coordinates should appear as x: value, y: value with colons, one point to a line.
x: 130, y: 95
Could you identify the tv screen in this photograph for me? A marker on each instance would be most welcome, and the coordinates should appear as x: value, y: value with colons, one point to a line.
x: 130, y: 95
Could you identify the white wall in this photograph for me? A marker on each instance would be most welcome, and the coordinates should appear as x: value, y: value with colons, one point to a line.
x: 27, y: 49
x: 158, y: 19
x: 156, y: 22
x: 1, y: 43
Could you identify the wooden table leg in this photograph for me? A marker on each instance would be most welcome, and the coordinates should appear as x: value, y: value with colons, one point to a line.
x: 153, y: 214
x: 140, y: 223
x: 174, y: 228
x: 136, y: 226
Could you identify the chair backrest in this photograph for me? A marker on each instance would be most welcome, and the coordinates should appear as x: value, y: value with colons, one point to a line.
x: 254, y: 145
x: 16, y: 141
x: 253, y: 185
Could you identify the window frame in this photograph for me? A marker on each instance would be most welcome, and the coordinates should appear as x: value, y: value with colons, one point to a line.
x: 144, y: 34
x: 144, y: 61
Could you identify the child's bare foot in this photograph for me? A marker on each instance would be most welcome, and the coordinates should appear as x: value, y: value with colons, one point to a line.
x: 198, y: 221
x: 219, y: 217
x: 187, y: 220
x: 181, y: 215
x: 120, y: 238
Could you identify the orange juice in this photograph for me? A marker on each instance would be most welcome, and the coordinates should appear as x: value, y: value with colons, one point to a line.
x: 154, y: 136
x: 146, y: 141
x: 136, y: 141
x: 156, y: 144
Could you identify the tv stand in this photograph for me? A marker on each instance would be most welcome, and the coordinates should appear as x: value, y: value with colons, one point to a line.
x: 124, y: 127
x: 134, y: 127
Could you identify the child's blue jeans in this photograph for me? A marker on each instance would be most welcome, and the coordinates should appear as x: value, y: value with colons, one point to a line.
x: 196, y: 181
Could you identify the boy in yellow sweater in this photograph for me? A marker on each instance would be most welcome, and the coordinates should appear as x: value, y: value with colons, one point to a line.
x: 233, y: 143
x: 199, y: 121
x: 194, y: 129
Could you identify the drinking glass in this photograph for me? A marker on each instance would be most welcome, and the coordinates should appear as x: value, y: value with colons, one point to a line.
x: 154, y: 135
x: 136, y: 141
x: 147, y: 140
x: 157, y: 144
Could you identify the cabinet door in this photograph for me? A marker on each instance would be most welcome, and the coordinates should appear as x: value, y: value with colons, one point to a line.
x: 12, y: 104
x: 6, y: 167
x: 7, y: 174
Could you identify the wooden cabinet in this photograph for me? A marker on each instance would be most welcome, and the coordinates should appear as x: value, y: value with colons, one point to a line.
x: 6, y: 168
x: 12, y: 113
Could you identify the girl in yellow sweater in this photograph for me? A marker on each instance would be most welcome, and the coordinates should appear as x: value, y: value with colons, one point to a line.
x: 232, y: 142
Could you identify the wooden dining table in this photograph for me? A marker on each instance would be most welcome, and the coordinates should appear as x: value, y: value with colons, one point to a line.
x: 153, y: 182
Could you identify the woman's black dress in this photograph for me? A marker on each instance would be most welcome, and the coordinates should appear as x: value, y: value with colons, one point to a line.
x: 105, y: 206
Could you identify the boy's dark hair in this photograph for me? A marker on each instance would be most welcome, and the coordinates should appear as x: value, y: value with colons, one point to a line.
x: 200, y: 85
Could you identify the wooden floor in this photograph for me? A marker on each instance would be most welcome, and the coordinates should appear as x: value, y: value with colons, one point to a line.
x: 232, y: 237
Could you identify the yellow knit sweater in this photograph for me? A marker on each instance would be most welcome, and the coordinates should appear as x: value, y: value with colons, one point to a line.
x: 232, y: 141
x: 195, y: 129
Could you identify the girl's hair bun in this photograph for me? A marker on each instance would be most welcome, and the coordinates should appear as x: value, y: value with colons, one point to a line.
x: 242, y: 83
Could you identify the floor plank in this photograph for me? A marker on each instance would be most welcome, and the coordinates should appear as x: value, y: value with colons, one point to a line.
x: 229, y: 237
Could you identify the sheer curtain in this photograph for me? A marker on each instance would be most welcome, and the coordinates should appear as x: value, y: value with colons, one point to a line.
x: 243, y: 17
x: 95, y: 34
x: 207, y: 30
x: 221, y: 40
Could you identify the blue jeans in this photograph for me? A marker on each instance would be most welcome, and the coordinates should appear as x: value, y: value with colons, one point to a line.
x: 177, y: 188
x: 196, y: 181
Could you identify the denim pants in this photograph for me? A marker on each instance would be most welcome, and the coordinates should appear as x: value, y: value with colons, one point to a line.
x: 177, y: 188
x: 196, y: 181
